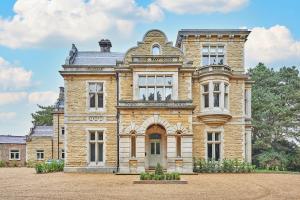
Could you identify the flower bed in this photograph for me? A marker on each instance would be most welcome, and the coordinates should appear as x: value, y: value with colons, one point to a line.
x: 48, y: 167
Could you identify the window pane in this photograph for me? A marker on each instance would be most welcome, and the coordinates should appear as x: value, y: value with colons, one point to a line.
x: 151, y: 93
x: 216, y: 86
x: 159, y: 93
x: 92, y: 100
x: 220, y: 60
x: 100, y: 135
x: 205, y: 60
x: 92, y: 135
x: 206, y: 100
x: 213, y: 49
x: 157, y: 148
x: 17, y: 156
x: 217, y: 151
x: 142, y: 80
x: 225, y: 88
x: 142, y: 93
x: 213, y: 59
x: 62, y: 130
x: 216, y: 100
x: 169, y: 80
x: 226, y: 100
x: 100, y: 152
x: 209, y: 151
x: 152, y: 148
x: 206, y: 88
x: 178, y: 146
x: 99, y: 87
x: 217, y: 136
x: 133, y: 146
x: 159, y: 80
x: 220, y: 49
x: 92, y: 87
x: 42, y: 155
x: 209, y: 136
x: 12, y: 155
x: 155, y: 50
x: 100, y: 100
x: 205, y: 49
x: 150, y: 80
x: 168, y: 93
x: 92, y: 152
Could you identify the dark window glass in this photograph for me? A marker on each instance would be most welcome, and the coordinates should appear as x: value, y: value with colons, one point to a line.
x: 100, y: 100
x: 100, y: 136
x: 100, y: 152
x: 133, y: 146
x: 152, y: 148
x: 209, y: 136
x: 159, y: 93
x: 217, y: 151
x: 206, y: 88
x: 42, y: 155
x: 178, y: 146
x: 92, y: 151
x: 155, y: 136
x: 92, y: 135
x: 220, y: 60
x: 157, y: 148
x: 206, y: 100
x: 62, y: 130
x: 213, y: 59
x: 17, y: 156
x: 216, y: 100
x: 216, y: 86
x: 92, y: 100
x: 209, y: 151
x: 151, y: 93
x: 217, y: 136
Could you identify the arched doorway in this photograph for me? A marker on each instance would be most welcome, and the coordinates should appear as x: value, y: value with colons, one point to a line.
x: 155, y: 146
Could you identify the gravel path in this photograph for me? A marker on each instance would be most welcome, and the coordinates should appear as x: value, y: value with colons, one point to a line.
x: 23, y: 183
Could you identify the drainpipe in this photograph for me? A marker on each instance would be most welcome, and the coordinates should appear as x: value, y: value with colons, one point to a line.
x: 118, y: 121
x: 58, y: 136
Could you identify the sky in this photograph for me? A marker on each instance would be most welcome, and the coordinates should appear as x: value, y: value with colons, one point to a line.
x: 36, y: 36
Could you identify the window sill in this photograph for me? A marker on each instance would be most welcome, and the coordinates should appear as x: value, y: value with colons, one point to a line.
x: 14, y: 159
x: 96, y: 110
x: 94, y: 164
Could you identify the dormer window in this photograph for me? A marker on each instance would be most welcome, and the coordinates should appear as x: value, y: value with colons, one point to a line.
x: 213, y: 55
x: 155, y: 49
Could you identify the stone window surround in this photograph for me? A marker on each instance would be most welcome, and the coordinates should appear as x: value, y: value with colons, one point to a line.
x: 154, y: 44
x: 39, y: 154
x: 136, y: 85
x: 95, y: 164
x: 133, y: 153
x: 211, y: 107
x: 214, y: 44
x: 19, y: 152
x: 88, y: 109
x: 178, y: 137
x: 214, y: 130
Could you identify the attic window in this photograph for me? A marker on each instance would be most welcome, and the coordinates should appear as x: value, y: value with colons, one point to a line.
x: 155, y: 49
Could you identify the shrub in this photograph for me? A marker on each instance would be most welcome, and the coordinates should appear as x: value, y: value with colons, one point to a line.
x: 54, y: 166
x: 159, y: 169
x: 165, y: 176
x: 2, y: 163
x: 228, y: 166
x: 272, y: 160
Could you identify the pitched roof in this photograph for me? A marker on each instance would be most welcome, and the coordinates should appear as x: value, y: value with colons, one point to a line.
x: 39, y: 131
x: 12, y: 139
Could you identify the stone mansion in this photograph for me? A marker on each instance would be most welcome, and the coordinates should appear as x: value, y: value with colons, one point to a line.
x: 155, y: 103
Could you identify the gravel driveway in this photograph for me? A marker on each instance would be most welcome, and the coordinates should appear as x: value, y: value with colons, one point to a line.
x: 23, y: 183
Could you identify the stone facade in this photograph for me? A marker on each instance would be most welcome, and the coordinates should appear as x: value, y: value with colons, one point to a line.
x: 135, y: 133
x: 10, y: 144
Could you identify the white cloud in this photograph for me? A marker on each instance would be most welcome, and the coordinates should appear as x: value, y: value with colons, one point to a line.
x: 43, y: 98
x: 269, y: 45
x: 12, y: 77
x: 12, y: 97
x: 36, y: 21
x: 201, y: 6
x: 4, y: 116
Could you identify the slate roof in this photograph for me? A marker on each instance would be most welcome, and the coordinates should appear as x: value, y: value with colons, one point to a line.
x: 41, y: 131
x: 12, y: 139
x: 97, y: 58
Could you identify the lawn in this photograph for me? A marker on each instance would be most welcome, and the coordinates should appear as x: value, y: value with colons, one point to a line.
x: 23, y: 183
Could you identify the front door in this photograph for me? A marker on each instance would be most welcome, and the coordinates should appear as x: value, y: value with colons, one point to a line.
x: 155, y: 152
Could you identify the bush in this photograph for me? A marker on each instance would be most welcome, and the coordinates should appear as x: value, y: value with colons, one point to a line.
x: 2, y: 163
x: 272, y: 160
x: 54, y: 166
x: 227, y: 166
x: 159, y: 169
x: 159, y: 175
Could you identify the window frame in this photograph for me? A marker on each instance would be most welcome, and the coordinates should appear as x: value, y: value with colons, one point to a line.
x: 214, y: 142
x: 133, y: 144
x: 178, y: 137
x: 40, y: 152
x: 155, y: 45
x: 10, y: 153
x: 96, y: 142
x: 217, y: 45
x: 62, y: 154
x: 96, y: 109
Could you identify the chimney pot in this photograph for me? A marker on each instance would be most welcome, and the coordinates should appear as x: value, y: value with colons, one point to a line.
x: 105, y: 45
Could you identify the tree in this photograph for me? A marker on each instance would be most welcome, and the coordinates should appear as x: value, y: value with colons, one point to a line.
x: 43, y: 116
x: 275, y: 111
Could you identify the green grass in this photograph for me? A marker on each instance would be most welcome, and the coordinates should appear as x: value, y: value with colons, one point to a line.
x: 274, y: 171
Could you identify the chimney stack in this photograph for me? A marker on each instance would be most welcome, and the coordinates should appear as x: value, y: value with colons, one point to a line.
x: 105, y: 45
x: 61, y: 93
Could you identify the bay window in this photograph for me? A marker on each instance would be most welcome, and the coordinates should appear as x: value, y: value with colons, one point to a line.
x: 215, y: 94
x: 155, y: 87
x: 213, y: 55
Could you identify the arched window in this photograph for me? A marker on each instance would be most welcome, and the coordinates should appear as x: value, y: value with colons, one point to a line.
x: 133, y: 144
x: 155, y: 49
x: 178, y: 144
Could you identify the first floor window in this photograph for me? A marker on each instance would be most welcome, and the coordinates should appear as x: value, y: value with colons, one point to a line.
x: 213, y: 146
x: 96, y: 95
x: 96, y: 146
x: 216, y: 94
x: 40, y: 154
x: 133, y: 145
x: 14, y: 154
x: 62, y: 154
x: 213, y: 55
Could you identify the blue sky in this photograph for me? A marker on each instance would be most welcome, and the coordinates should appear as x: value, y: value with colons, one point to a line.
x: 36, y: 35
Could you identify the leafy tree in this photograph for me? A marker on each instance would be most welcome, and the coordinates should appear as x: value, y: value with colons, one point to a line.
x: 43, y: 116
x: 275, y: 111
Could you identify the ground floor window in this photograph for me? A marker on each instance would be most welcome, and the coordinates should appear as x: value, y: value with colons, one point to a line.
x: 14, y: 154
x: 96, y: 144
x: 40, y: 154
x: 214, y: 146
